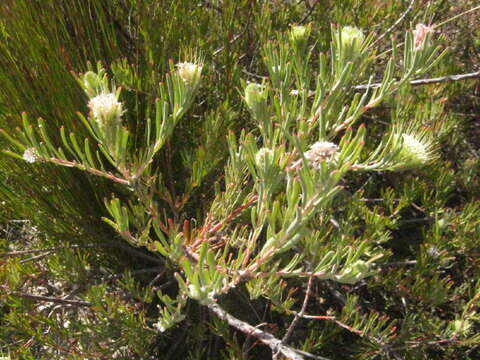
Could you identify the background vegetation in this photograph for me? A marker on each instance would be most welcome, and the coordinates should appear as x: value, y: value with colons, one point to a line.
x: 89, y: 294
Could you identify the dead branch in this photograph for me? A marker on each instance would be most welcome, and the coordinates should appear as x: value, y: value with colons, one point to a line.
x: 418, y: 82
x: 268, y: 339
x: 399, y: 20
x: 33, y: 251
x: 51, y: 299
x: 299, y: 314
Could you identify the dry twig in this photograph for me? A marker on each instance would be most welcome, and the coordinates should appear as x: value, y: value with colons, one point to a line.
x: 399, y: 20
x: 437, y: 80
x: 51, y: 299
x: 300, y: 314
x: 268, y: 339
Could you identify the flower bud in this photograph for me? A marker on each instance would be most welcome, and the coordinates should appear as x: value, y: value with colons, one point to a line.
x: 106, y: 108
x: 200, y: 294
x: 194, y: 292
x: 254, y: 94
x: 90, y: 80
x: 189, y: 72
x: 264, y: 159
x: 256, y: 99
x: 420, y: 35
x: 351, y: 38
x: 299, y: 36
x: 93, y: 83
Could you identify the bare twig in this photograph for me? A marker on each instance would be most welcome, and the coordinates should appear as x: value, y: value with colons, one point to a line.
x: 333, y: 319
x: 399, y: 20
x: 416, y: 221
x: 418, y: 82
x: 299, y: 314
x: 33, y: 251
x: 157, y: 269
x: 157, y: 277
x: 36, y: 257
x: 51, y: 299
x: 86, y: 168
x: 395, y: 264
x: 111, y: 244
x: 235, y: 38
x: 233, y: 214
x: 246, y: 347
x: 266, y: 338
x: 456, y: 16
x: 309, y: 12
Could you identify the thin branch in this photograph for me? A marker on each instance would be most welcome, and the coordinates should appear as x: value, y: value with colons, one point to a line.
x: 156, y: 270
x: 300, y: 314
x: 456, y: 16
x: 266, y: 338
x: 437, y: 80
x: 233, y: 214
x: 235, y: 38
x: 36, y: 257
x: 111, y: 244
x: 309, y: 12
x: 157, y: 277
x: 395, y: 264
x: 399, y: 20
x: 334, y: 319
x: 33, y: 251
x: 141, y: 254
x: 51, y: 299
x: 86, y: 168
x: 416, y: 221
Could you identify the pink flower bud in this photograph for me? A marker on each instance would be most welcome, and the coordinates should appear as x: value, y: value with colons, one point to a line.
x: 420, y: 33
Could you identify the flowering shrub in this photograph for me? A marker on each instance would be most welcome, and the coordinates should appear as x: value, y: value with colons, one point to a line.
x: 282, y: 211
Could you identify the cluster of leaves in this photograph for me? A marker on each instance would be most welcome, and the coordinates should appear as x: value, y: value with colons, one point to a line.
x: 220, y: 211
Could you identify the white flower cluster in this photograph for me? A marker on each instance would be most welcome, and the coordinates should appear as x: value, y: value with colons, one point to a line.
x: 264, y: 156
x: 105, y: 107
x: 189, y: 72
x: 416, y: 149
x: 319, y: 152
x: 30, y: 155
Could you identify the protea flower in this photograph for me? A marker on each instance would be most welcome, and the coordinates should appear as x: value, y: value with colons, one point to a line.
x: 352, y: 38
x: 264, y: 158
x: 299, y: 36
x: 319, y: 152
x: 189, y: 72
x: 415, y: 151
x: 106, y: 108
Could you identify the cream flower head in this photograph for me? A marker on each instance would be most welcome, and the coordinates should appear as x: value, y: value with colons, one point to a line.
x: 319, y: 152
x: 105, y: 107
x: 416, y: 151
x: 189, y: 72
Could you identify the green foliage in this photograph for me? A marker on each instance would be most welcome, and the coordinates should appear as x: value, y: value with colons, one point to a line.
x: 229, y: 164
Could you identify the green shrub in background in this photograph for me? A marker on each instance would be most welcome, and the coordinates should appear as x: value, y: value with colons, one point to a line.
x: 256, y: 201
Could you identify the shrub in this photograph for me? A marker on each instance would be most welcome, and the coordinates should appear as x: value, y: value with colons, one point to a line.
x: 318, y: 203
